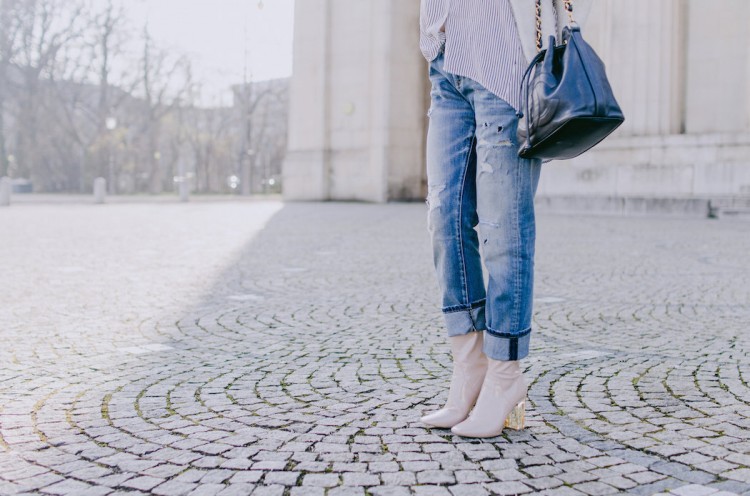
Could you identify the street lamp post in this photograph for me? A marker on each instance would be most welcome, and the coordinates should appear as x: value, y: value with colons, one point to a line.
x: 246, y: 152
x: 246, y: 181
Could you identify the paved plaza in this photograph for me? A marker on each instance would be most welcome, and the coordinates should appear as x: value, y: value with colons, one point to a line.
x: 264, y: 348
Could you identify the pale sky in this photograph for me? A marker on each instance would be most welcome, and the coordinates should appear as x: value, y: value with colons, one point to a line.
x: 213, y: 34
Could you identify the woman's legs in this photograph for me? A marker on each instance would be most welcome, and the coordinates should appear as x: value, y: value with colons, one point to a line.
x: 506, y: 185
x: 451, y: 171
x: 451, y: 199
x: 475, y: 177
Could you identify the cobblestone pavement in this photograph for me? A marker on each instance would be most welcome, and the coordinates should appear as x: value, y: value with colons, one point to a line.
x: 242, y: 348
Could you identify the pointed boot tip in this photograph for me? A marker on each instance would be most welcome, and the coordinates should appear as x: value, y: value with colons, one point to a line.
x: 437, y: 424
x: 444, y: 418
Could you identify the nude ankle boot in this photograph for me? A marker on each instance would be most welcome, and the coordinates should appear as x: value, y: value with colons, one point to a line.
x: 469, y: 367
x: 501, y: 402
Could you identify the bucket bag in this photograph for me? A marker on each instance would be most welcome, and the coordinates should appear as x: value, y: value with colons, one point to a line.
x: 567, y: 104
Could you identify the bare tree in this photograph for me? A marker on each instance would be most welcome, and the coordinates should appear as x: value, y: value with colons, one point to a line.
x: 85, y: 109
x: 248, y: 99
x: 165, y: 80
x: 210, y: 138
x: 45, y: 27
x: 259, y: 105
x: 67, y: 73
x: 9, y: 29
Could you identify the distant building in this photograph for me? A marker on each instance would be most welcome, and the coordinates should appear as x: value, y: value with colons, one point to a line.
x: 69, y: 137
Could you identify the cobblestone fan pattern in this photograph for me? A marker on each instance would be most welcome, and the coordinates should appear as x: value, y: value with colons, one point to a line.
x: 257, y: 348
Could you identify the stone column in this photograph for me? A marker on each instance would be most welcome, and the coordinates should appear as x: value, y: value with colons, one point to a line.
x: 305, y: 170
x: 643, y: 44
x: 409, y: 101
x: 718, y: 67
x: 357, y: 113
x: 681, y: 70
x: 5, y: 191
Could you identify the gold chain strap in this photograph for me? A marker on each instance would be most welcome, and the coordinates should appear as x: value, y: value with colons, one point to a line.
x: 568, y: 9
x: 538, y: 25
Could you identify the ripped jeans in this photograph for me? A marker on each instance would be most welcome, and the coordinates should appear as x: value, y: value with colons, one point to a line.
x: 475, y: 178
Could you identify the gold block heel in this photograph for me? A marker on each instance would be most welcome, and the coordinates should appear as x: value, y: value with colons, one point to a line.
x: 517, y: 417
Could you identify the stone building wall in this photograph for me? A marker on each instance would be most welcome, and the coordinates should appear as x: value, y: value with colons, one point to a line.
x: 680, y: 68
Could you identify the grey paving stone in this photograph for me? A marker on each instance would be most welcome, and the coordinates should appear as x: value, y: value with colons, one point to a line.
x: 656, y: 487
x: 320, y: 480
x: 237, y: 490
x: 273, y: 490
x: 561, y: 491
x: 66, y: 487
x: 619, y: 482
x: 390, y: 491
x: 345, y: 491
x: 430, y: 491
x: 693, y: 490
x: 739, y: 474
x: 730, y: 486
x: 283, y: 478
x: 541, y: 470
x: 305, y: 491
x: 143, y: 483
x: 398, y: 478
x: 360, y: 479
x: 207, y: 489
x: 468, y: 490
x: 436, y: 477
x: 471, y: 476
x: 507, y: 475
x: 246, y: 476
x: 222, y: 358
x: 576, y: 477
x: 512, y: 487
x: 596, y: 488
x: 380, y: 467
x: 543, y: 483
x: 172, y: 487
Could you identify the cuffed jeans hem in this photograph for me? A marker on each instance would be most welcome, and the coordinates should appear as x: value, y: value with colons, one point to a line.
x: 504, y: 346
x: 460, y: 322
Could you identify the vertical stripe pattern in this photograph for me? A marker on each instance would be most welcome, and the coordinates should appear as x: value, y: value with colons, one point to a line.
x: 481, y: 42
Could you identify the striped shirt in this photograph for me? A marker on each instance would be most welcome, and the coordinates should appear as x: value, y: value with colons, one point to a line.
x: 481, y: 42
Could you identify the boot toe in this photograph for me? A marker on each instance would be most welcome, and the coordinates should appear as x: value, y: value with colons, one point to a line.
x: 471, y: 428
x: 444, y: 419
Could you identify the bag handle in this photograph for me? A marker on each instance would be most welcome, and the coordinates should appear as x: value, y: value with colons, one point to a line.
x: 540, y: 55
x: 568, y: 8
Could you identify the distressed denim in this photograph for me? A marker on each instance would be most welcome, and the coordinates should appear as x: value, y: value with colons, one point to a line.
x: 476, y: 179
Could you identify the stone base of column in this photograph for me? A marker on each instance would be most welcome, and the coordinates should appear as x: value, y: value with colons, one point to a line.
x: 676, y: 166
x: 304, y: 176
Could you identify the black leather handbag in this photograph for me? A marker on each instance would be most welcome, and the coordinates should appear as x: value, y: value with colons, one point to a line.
x: 567, y: 103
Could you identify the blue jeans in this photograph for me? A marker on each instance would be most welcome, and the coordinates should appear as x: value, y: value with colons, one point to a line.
x: 475, y: 178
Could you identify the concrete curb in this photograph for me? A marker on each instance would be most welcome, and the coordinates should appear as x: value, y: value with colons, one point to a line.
x: 681, y: 207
